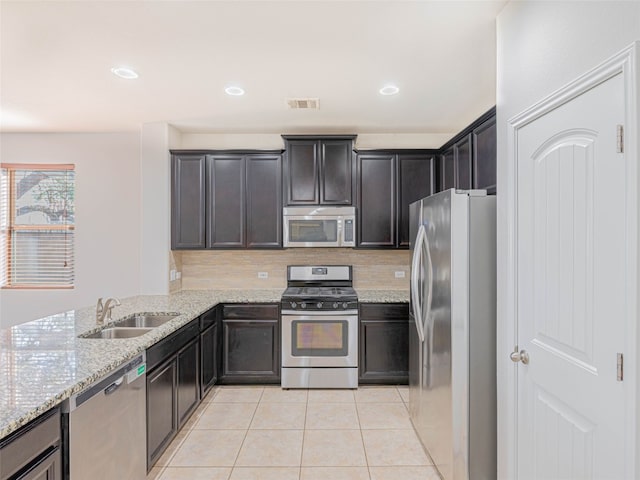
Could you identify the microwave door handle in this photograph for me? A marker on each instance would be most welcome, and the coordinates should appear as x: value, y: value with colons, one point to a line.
x: 415, y: 280
x: 339, y: 239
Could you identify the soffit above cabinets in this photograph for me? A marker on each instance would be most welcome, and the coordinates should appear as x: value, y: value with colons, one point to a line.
x: 57, y: 57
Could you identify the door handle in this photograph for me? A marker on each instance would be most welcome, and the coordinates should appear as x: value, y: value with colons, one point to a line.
x: 519, y: 356
x: 415, y: 276
x: 114, y: 386
x: 427, y: 246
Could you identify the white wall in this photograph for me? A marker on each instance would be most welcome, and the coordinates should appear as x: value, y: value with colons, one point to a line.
x: 542, y: 46
x: 107, y: 219
x: 155, y: 195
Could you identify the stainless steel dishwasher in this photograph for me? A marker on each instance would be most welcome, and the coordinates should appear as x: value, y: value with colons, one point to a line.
x: 106, y: 426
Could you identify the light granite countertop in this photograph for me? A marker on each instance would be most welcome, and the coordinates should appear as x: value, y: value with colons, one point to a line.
x: 382, y: 296
x: 43, y: 362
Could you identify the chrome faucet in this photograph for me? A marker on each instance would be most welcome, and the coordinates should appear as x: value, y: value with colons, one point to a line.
x: 104, y: 309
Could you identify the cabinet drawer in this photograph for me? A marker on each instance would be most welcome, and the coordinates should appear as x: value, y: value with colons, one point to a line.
x: 170, y: 345
x: 384, y: 311
x: 22, y: 447
x: 251, y: 312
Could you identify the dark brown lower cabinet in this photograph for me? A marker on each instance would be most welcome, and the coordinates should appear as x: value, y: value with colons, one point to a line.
x: 250, y: 344
x: 33, y: 451
x: 384, y: 343
x: 48, y: 468
x: 208, y: 351
x: 188, y: 380
x: 162, y: 419
x: 173, y: 386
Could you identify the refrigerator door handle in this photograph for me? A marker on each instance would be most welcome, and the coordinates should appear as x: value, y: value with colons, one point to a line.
x: 430, y: 283
x: 415, y: 278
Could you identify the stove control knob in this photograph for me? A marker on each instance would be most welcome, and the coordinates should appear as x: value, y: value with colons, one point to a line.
x: 345, y: 305
x: 303, y: 305
x: 294, y: 304
x: 335, y: 305
x: 319, y: 305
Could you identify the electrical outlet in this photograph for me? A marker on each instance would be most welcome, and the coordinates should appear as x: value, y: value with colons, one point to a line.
x: 400, y: 274
x: 172, y: 275
x: 263, y: 274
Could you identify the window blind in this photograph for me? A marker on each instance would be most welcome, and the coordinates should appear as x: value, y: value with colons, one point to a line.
x: 38, y: 222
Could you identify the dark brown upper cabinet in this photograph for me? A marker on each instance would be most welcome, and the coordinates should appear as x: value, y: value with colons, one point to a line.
x: 387, y: 182
x: 264, y: 201
x: 462, y: 162
x: 318, y: 170
x: 447, y: 175
x: 238, y: 205
x: 226, y: 201
x: 188, y: 180
x: 416, y: 180
x: 376, y: 219
x: 469, y: 159
x: 484, y: 155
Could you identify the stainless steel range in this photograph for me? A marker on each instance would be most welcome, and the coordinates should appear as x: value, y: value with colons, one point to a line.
x: 319, y: 328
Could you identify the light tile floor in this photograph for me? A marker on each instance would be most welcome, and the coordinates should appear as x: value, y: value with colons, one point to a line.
x: 263, y: 433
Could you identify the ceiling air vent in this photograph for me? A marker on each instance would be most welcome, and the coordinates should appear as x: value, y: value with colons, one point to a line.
x: 303, y: 103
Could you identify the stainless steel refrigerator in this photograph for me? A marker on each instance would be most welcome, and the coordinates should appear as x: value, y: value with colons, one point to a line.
x: 452, y: 342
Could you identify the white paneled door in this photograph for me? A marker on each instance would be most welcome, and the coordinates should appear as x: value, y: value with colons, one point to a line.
x: 571, y: 288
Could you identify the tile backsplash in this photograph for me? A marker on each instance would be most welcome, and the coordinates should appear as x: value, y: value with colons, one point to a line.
x: 175, y: 263
x: 240, y: 269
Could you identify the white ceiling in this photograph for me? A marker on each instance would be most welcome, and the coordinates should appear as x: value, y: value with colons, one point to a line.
x: 56, y: 59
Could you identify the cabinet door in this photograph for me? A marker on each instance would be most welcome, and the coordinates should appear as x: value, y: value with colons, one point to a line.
x: 416, y: 180
x: 188, y: 391
x: 384, y: 343
x: 484, y: 156
x: 462, y: 160
x: 188, y: 186
x: 162, y: 422
x: 49, y: 468
x: 225, y: 201
x: 208, y: 358
x: 376, y: 200
x: 301, y: 172
x: 447, y: 170
x: 336, y: 172
x: 250, y: 351
x: 264, y: 201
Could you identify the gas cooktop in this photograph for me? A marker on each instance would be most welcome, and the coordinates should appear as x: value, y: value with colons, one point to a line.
x: 323, y: 288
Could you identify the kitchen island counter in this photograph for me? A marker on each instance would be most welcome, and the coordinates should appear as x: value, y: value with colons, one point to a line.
x: 43, y: 362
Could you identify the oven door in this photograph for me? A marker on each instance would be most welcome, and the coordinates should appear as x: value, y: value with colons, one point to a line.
x: 319, y: 340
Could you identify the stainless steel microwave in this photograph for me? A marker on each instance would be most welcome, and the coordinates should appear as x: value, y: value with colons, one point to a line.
x: 319, y: 226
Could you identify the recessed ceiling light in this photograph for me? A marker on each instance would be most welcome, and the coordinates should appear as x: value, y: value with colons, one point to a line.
x: 124, y: 72
x: 235, y: 91
x: 389, y: 90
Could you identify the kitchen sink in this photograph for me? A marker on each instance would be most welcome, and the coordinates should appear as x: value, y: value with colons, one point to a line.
x: 118, y: 332
x: 146, y: 320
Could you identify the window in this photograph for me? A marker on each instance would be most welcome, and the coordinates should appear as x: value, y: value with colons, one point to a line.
x: 37, y: 226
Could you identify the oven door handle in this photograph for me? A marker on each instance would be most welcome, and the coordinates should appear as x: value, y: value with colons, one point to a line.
x: 334, y: 314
